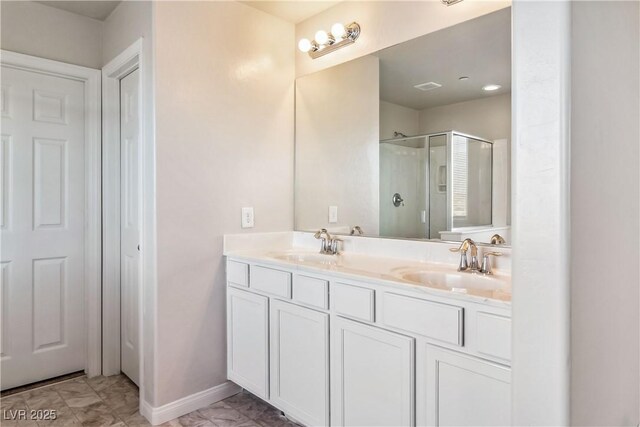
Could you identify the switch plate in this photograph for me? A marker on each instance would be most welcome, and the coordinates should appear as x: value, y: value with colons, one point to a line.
x: 247, y: 217
x: 333, y: 214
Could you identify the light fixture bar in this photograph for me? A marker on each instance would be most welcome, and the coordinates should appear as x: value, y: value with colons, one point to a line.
x: 349, y: 35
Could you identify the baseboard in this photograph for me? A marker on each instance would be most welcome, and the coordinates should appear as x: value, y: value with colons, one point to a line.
x: 180, y: 407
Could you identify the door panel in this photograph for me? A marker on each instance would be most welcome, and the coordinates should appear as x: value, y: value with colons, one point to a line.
x: 248, y: 341
x: 463, y: 390
x: 43, y: 220
x: 130, y: 225
x: 372, y: 373
x: 300, y: 362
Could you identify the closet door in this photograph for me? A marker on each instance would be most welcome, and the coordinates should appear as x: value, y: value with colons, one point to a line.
x: 42, y: 221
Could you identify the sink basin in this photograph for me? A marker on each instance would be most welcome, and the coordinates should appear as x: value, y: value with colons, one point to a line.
x: 462, y: 282
x: 450, y: 280
x: 306, y: 257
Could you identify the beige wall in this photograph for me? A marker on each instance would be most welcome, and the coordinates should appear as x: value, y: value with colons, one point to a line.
x: 385, y: 23
x: 488, y: 118
x: 130, y: 21
x: 605, y: 213
x: 43, y: 31
x: 224, y: 115
x: 397, y: 118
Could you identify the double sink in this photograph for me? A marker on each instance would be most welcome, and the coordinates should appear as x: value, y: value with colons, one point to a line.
x: 435, y: 276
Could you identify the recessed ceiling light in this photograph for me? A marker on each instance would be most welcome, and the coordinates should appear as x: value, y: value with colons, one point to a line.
x: 428, y: 86
x: 463, y: 78
x: 491, y: 87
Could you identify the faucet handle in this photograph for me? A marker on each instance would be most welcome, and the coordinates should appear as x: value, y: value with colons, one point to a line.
x: 493, y: 253
x: 486, y: 262
x: 464, y: 263
x: 463, y: 248
x: 334, y: 246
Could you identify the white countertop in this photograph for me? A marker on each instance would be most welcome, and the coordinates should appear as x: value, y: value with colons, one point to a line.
x: 444, y: 280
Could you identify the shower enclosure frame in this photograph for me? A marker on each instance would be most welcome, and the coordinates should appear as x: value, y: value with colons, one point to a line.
x: 449, y: 134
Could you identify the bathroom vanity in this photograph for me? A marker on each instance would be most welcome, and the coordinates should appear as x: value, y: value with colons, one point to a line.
x: 358, y: 339
x: 389, y: 332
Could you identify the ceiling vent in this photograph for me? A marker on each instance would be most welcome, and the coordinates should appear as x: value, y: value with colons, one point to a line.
x: 428, y: 86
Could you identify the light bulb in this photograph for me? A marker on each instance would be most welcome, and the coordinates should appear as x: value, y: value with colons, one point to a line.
x: 322, y: 37
x: 491, y: 87
x: 338, y: 31
x: 304, y: 45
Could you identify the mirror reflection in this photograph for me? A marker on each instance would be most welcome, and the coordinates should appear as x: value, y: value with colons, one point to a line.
x: 411, y: 141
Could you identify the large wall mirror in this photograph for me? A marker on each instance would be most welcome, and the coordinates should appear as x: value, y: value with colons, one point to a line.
x: 412, y: 141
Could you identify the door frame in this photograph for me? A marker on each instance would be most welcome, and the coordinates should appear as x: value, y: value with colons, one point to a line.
x: 118, y: 68
x: 93, y: 220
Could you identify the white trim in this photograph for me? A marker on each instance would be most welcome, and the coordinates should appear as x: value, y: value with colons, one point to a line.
x: 115, y: 70
x: 135, y: 56
x: 180, y: 407
x: 93, y: 254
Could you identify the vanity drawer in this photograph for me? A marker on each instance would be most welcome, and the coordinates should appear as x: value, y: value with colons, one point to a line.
x: 493, y: 335
x: 311, y: 291
x: 238, y: 273
x: 352, y: 301
x: 442, y: 322
x: 271, y: 281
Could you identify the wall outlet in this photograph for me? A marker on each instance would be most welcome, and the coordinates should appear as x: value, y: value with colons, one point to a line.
x: 247, y: 217
x: 333, y: 214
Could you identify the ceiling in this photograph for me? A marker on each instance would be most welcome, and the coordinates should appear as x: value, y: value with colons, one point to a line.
x: 479, y: 49
x: 92, y: 9
x: 292, y: 11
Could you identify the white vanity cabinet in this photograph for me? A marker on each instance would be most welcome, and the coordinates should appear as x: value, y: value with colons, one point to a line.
x: 300, y: 362
x: 372, y: 374
x: 331, y: 350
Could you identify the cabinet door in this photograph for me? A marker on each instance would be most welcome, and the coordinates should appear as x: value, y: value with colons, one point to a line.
x: 300, y: 362
x: 372, y: 376
x: 464, y: 390
x: 248, y: 340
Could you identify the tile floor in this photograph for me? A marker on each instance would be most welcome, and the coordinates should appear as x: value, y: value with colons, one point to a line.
x: 113, y: 401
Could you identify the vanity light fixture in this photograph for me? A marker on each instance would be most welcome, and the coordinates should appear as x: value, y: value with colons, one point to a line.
x: 326, y: 43
x: 491, y: 87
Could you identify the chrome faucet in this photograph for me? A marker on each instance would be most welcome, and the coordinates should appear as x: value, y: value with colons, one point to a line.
x: 356, y: 229
x: 329, y: 244
x: 497, y: 239
x: 466, y: 245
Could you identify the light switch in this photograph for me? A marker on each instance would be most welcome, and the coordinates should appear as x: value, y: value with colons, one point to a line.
x: 247, y: 217
x: 333, y: 214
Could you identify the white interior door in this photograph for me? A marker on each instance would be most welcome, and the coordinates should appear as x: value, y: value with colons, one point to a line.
x: 42, y: 220
x: 129, y: 224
